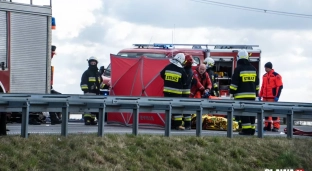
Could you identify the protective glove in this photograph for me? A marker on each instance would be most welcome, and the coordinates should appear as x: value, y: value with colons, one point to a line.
x: 206, y: 94
x: 259, y: 98
x: 276, y: 99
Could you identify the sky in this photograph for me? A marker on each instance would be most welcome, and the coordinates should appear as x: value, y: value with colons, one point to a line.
x: 103, y: 27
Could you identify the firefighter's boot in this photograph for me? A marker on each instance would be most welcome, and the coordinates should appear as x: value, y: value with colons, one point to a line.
x: 92, y: 121
x: 54, y: 118
x: 274, y: 130
x: 34, y: 121
x: 187, y: 122
x: 87, y: 118
x: 245, y: 132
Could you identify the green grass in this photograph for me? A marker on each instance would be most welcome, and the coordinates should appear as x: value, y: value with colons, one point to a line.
x: 146, y: 152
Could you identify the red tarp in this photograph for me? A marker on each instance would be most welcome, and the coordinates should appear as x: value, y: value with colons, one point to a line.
x: 137, y: 77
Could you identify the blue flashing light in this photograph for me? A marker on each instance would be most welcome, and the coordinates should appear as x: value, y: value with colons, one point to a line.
x: 53, y: 21
x: 164, y: 46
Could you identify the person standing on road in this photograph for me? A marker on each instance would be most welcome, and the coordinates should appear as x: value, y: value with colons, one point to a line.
x: 245, y: 86
x: 91, y: 83
x: 174, y: 77
x: 187, y: 87
x: 271, y: 90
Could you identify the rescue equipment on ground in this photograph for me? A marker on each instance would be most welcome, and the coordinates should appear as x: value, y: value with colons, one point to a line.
x: 297, y: 131
x: 210, y: 122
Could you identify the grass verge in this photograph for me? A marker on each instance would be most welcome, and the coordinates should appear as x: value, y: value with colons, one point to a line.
x: 152, y: 152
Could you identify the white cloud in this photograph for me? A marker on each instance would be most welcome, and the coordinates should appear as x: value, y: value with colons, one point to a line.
x: 289, y: 50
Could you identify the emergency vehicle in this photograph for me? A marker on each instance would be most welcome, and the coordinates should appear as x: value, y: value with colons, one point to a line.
x: 225, y: 57
x: 26, y: 50
x: 135, y: 72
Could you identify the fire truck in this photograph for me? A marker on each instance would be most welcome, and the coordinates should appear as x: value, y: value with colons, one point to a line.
x: 225, y: 57
x: 25, y: 48
x: 129, y: 75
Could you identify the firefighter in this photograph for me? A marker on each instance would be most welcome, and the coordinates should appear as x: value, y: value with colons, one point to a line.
x: 187, y: 87
x: 174, y: 78
x: 215, y: 89
x: 91, y: 83
x: 203, y: 84
x: 271, y: 90
x: 245, y: 86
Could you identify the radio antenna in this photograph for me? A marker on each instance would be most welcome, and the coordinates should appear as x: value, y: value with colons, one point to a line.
x: 150, y: 40
x: 173, y: 38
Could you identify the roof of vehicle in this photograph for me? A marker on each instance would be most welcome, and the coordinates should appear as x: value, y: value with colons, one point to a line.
x: 195, y: 48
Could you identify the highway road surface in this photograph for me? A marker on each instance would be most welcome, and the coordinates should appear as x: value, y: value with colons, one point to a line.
x: 80, y: 128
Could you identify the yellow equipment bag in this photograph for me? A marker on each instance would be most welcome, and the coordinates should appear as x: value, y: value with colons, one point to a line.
x: 210, y: 122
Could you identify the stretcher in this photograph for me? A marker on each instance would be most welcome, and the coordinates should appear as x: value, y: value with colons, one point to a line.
x: 210, y: 122
x: 297, y: 131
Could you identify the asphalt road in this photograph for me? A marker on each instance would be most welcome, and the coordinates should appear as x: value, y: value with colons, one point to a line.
x: 80, y: 128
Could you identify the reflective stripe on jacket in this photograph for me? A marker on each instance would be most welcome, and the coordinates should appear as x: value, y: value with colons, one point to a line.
x: 245, y: 81
x: 91, y: 82
x: 174, y: 79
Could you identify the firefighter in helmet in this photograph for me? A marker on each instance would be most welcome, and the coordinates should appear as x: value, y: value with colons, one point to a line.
x: 210, y: 64
x: 174, y: 77
x: 91, y: 83
x: 245, y: 86
x: 187, y: 86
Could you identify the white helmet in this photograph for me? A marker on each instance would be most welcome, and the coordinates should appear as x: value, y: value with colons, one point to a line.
x: 92, y: 58
x: 242, y: 54
x: 209, y: 62
x: 178, y: 60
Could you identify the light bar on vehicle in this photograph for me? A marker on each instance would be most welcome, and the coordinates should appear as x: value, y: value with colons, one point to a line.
x: 159, y: 45
x: 53, y: 25
x: 197, y: 46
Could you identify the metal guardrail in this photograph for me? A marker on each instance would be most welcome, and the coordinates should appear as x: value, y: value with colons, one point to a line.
x: 26, y: 103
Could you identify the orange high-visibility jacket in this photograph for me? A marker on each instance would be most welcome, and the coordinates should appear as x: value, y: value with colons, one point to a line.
x: 272, y: 85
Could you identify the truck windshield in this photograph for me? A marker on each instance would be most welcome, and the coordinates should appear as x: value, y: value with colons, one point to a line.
x: 138, y: 54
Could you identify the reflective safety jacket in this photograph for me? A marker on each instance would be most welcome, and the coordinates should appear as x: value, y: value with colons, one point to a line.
x: 174, y: 79
x: 245, y: 81
x: 91, y: 82
x: 203, y: 82
x: 215, y: 87
x: 272, y: 85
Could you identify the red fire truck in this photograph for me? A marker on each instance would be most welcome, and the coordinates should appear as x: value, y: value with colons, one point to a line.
x: 26, y: 50
x: 130, y: 68
x: 224, y: 56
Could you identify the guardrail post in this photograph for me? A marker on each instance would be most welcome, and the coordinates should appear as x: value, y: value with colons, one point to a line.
x: 135, y: 125
x: 101, y: 120
x: 64, y: 128
x: 199, y: 125
x: 230, y: 116
x: 168, y: 116
x: 25, y: 120
x: 260, y: 123
x: 290, y: 123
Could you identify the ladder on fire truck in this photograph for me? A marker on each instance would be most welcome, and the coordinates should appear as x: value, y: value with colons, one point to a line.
x: 196, y: 46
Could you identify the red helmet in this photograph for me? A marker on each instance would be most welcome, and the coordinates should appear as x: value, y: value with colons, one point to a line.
x: 188, y: 60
